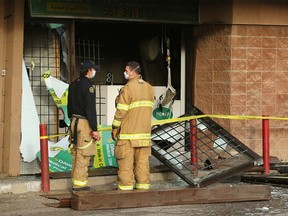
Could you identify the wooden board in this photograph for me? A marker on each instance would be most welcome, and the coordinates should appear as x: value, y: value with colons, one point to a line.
x: 89, y: 200
x: 64, y: 200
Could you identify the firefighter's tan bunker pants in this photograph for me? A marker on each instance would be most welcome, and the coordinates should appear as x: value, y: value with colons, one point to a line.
x: 81, y: 157
x: 132, y: 160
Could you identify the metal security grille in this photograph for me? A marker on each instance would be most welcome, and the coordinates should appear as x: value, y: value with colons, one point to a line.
x: 88, y: 49
x: 42, y: 53
x: 200, y: 151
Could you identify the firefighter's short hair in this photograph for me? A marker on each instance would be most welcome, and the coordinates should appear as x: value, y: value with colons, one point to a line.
x: 135, y: 66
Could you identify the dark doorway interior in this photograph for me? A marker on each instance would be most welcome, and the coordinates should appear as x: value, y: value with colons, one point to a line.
x: 118, y: 43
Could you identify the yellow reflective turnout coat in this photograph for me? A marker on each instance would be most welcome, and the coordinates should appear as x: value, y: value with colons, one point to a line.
x: 134, y: 106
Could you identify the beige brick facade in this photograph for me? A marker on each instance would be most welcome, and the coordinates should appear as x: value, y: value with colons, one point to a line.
x: 243, y: 70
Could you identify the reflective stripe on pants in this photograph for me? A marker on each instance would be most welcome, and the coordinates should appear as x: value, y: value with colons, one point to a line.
x: 142, y: 186
x: 77, y: 183
x: 130, y: 187
x: 80, y: 163
x: 132, y: 158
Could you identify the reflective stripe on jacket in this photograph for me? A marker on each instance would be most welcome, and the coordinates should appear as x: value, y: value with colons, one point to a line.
x: 134, y: 109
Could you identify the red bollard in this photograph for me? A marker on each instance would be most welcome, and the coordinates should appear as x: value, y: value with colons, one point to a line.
x: 193, y: 139
x: 266, y: 145
x: 44, y: 158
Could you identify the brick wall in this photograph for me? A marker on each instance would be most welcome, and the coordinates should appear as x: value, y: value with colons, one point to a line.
x: 243, y: 70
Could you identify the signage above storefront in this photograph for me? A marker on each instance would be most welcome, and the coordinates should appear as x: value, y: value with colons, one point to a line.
x: 169, y: 11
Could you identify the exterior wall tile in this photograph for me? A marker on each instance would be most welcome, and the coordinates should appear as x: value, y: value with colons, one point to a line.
x: 268, y: 87
x: 268, y: 99
x: 221, y: 53
x: 254, y: 64
x: 254, y: 42
x: 254, y: 100
x: 254, y: 134
x: 204, y: 64
x: 238, y: 100
x: 238, y: 41
x: 238, y: 65
x: 238, y: 110
x: 281, y: 111
x: 282, y: 100
x: 254, y: 87
x: 238, y: 88
x: 269, y: 65
x: 254, y: 124
x: 281, y: 88
x: 282, y: 54
x: 282, y: 42
x: 240, y: 124
x: 238, y: 53
x: 279, y: 133
x: 221, y: 88
x: 221, y: 65
x: 201, y: 102
x: 282, y: 65
x: 221, y: 76
x: 268, y: 76
x: 204, y: 88
x: 203, y: 76
x: 269, y: 110
x: 222, y: 109
x: 281, y: 76
x: 204, y: 53
x: 254, y: 77
x: 238, y: 76
x: 269, y: 42
x: 269, y: 53
x: 254, y: 53
x: 221, y: 99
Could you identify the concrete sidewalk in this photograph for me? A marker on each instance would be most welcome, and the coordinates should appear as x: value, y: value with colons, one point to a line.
x: 24, y: 184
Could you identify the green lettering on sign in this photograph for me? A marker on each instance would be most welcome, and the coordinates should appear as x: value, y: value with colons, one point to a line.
x: 163, y: 113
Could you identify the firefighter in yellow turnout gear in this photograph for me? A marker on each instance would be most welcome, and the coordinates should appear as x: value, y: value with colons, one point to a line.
x: 131, y: 128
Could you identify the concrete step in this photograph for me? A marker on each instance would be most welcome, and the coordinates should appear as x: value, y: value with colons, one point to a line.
x: 24, y: 184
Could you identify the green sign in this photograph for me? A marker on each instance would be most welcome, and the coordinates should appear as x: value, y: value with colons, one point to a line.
x: 163, y: 113
x: 61, y: 160
x: 104, y: 156
x: 172, y: 11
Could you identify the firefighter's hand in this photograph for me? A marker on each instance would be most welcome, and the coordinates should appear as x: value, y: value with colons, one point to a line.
x: 95, y: 135
x: 114, y: 134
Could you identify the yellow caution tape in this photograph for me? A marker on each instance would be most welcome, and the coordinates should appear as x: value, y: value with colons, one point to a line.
x: 187, y: 118
x: 53, y: 136
x: 56, y: 148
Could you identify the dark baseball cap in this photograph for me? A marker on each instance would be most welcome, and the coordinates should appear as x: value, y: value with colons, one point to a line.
x: 87, y: 64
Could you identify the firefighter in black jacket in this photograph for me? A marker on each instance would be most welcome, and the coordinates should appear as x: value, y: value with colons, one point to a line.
x: 84, y: 133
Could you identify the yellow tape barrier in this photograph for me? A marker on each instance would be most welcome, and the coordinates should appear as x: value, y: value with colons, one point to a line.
x: 187, y: 118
